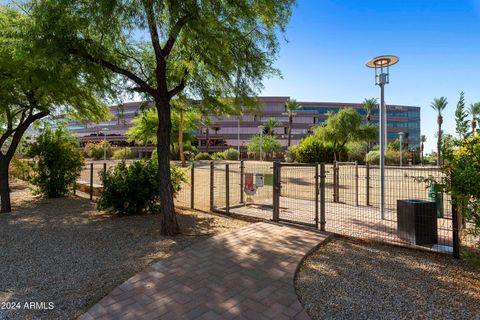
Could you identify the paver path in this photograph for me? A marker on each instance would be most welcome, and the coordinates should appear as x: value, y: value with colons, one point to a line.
x: 244, y: 274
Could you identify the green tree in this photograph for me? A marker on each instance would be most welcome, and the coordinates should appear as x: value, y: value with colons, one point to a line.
x: 290, y: 107
x: 439, y: 104
x: 423, y: 139
x: 35, y: 83
x: 270, y: 145
x: 461, y: 121
x: 474, y: 111
x: 208, y: 49
x: 144, y: 130
x: 59, y: 162
x: 269, y: 126
x: 343, y: 127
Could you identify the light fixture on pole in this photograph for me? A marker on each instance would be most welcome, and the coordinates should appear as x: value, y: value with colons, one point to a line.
x: 105, y: 130
x: 261, y: 128
x: 401, y: 135
x: 382, y: 65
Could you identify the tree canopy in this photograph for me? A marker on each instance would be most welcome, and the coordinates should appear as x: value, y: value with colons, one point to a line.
x: 34, y: 84
x: 343, y: 127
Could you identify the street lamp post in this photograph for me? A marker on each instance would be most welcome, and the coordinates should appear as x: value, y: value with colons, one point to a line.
x: 261, y: 128
x: 382, y: 65
x: 105, y: 130
x: 401, y: 135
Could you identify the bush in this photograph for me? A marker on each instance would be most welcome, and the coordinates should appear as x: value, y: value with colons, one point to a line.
x: 134, y: 189
x: 20, y: 169
x: 218, y: 156
x: 231, y: 154
x: 203, y: 156
x: 392, y: 157
x: 270, y: 146
x: 124, y: 153
x: 356, y: 151
x: 313, y: 150
x: 95, y: 150
x: 59, y: 162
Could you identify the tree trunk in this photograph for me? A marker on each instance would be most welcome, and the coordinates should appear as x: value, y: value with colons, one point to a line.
x: 180, y: 138
x: 474, y: 126
x: 290, y: 121
x: 169, y: 224
x: 421, y: 154
x: 4, y: 185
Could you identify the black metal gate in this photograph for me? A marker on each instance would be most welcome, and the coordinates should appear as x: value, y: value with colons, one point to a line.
x: 296, y: 193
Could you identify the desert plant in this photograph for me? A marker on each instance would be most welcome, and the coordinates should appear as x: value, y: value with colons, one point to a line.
x: 59, y: 162
x: 218, y: 156
x: 123, y: 153
x: 270, y: 145
x: 133, y: 189
x: 290, y: 154
x: 203, y: 156
x: 231, y: 154
x: 96, y: 150
x: 313, y: 150
x: 20, y: 168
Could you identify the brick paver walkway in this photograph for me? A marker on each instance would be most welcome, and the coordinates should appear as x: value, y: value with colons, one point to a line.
x: 244, y: 274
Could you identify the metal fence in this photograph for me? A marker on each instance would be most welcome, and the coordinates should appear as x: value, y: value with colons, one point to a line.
x: 342, y: 198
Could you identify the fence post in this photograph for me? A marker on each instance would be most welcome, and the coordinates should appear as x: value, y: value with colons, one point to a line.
x: 91, y: 181
x: 455, y: 230
x: 192, y: 186
x: 104, y: 168
x: 367, y: 185
x: 334, y: 181
x: 356, y: 183
x: 241, y: 181
x: 212, y: 168
x: 316, y: 195
x: 322, y: 196
x: 227, y: 189
x: 276, y: 191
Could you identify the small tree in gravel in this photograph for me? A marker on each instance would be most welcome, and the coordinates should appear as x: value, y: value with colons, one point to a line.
x: 59, y: 162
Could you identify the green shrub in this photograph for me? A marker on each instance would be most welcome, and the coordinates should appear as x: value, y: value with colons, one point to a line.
x: 59, y: 162
x: 270, y: 146
x: 96, y: 151
x: 356, y: 151
x: 231, y: 154
x: 392, y: 157
x: 20, y: 169
x: 313, y: 150
x: 203, y: 156
x: 134, y: 189
x: 218, y: 156
x: 124, y: 153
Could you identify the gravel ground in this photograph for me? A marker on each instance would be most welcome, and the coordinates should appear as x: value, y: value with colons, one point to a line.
x: 344, y: 279
x: 64, y: 251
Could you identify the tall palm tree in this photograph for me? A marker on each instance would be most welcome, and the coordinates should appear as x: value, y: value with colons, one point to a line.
x: 439, y: 104
x: 474, y: 111
x: 290, y: 106
x: 423, y: 139
x: 368, y: 105
x: 270, y: 126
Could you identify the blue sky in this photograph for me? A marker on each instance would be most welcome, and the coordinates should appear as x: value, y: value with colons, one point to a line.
x: 438, y: 42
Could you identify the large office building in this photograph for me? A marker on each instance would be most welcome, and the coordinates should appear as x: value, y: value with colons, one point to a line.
x: 234, y: 131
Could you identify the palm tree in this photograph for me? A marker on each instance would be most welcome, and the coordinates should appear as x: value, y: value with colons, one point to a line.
x: 270, y: 126
x: 423, y: 139
x: 290, y: 106
x: 368, y: 105
x: 439, y: 104
x: 474, y: 111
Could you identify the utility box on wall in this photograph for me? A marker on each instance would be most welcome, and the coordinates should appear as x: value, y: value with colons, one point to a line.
x: 417, y: 221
